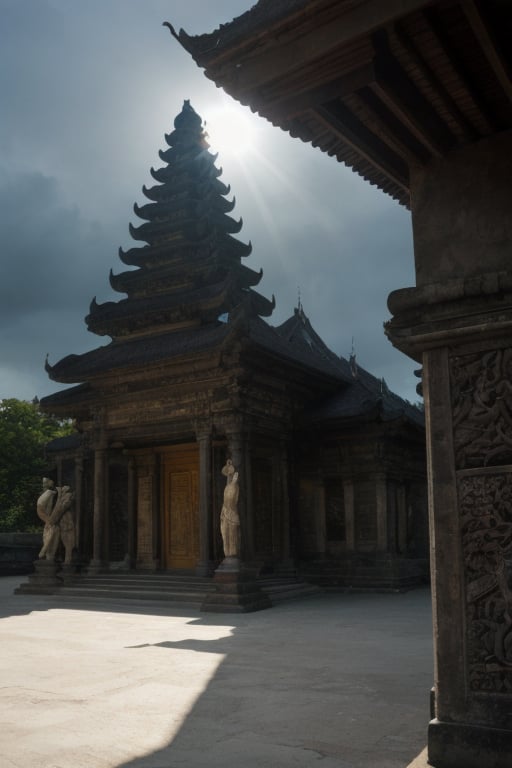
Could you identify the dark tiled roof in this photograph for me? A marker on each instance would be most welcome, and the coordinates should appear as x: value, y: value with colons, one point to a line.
x: 256, y: 19
x: 366, y: 396
x: 81, y: 392
x: 296, y: 340
x: 137, y: 352
x: 67, y: 443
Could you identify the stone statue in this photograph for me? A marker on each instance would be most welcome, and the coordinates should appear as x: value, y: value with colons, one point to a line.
x: 229, y: 519
x: 54, y: 508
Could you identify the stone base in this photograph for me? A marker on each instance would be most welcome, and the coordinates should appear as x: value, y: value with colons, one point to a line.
x: 236, y: 591
x: 460, y: 745
x: 44, y: 580
x: 205, y: 568
x: 68, y: 573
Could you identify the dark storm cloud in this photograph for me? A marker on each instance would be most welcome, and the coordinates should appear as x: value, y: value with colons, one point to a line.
x: 50, y: 254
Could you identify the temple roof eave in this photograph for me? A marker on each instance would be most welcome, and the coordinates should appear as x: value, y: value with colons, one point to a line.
x: 138, y: 353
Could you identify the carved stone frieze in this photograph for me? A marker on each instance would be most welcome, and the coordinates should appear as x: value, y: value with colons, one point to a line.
x: 485, y: 503
x: 481, y: 386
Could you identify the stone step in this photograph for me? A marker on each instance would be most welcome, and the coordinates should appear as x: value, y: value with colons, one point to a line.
x: 152, y: 584
x: 167, y: 587
x: 281, y: 588
x: 106, y: 593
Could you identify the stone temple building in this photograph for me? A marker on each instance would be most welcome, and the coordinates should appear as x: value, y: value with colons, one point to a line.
x: 331, y: 463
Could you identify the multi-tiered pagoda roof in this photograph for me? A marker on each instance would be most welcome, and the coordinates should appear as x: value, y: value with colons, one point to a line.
x: 188, y: 275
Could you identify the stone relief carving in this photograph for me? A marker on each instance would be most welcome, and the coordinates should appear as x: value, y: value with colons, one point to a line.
x: 486, y: 527
x: 229, y: 518
x: 481, y: 387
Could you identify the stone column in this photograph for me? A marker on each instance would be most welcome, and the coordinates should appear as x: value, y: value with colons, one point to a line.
x: 146, y: 504
x: 401, y: 513
x: 350, y: 527
x: 79, y: 472
x: 285, y: 507
x: 203, y: 566
x: 132, y: 511
x: 458, y: 322
x: 381, y: 496
x: 249, y: 503
x: 236, y: 451
x: 236, y: 589
x: 98, y: 561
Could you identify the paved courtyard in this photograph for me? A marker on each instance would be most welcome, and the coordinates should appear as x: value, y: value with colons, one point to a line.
x: 341, y: 681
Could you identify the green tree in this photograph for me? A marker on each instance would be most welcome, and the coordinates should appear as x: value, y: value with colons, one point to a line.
x: 24, y: 431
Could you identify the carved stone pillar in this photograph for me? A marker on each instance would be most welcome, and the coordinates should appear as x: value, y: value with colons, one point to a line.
x: 236, y: 589
x: 458, y: 322
x: 79, y: 472
x: 99, y: 512
x: 285, y: 506
x: 203, y: 566
x: 236, y: 451
x: 401, y: 513
x: 381, y: 496
x: 146, y: 513
x: 350, y: 527
x: 132, y: 511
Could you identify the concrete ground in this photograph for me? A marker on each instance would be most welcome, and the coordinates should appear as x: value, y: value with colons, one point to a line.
x: 341, y: 681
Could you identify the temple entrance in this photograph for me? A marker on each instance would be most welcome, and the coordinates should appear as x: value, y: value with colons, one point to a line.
x: 180, y: 492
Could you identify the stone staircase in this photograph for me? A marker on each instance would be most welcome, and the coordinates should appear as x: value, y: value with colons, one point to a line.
x: 183, y: 588
x: 167, y: 587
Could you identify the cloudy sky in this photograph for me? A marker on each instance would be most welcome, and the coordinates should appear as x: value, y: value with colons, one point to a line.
x: 88, y: 90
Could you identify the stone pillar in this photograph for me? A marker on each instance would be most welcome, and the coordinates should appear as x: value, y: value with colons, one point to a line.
x: 146, y: 505
x: 99, y: 512
x: 350, y: 528
x: 203, y: 566
x: 236, y: 451
x: 381, y: 497
x: 236, y: 589
x: 79, y: 472
x: 132, y: 511
x: 458, y: 322
x: 401, y: 512
x: 285, y: 507
x: 249, y: 504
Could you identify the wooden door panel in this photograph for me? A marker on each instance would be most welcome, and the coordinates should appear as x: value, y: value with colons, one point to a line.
x: 181, y: 510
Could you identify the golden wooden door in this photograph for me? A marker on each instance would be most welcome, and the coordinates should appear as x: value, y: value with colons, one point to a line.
x: 181, y: 507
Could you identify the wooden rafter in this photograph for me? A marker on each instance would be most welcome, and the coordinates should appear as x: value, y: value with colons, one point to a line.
x: 354, y: 133
x: 488, y: 45
x: 388, y: 127
x: 458, y: 67
x: 291, y: 106
x: 394, y: 87
x: 414, y: 55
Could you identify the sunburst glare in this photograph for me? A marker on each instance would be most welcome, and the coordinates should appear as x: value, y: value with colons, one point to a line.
x: 231, y: 129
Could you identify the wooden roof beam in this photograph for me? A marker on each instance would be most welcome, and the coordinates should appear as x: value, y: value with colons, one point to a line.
x: 412, y: 52
x: 457, y: 66
x: 354, y: 133
x: 394, y: 87
x: 488, y: 46
x: 387, y: 126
